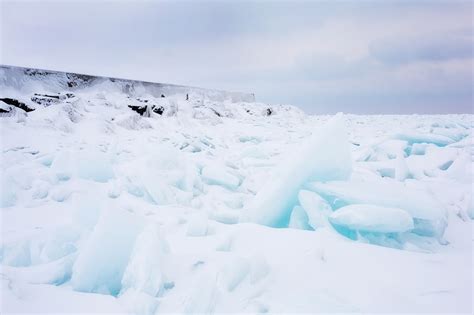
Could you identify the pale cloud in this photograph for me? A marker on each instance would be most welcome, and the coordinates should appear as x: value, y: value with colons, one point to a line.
x: 323, y: 56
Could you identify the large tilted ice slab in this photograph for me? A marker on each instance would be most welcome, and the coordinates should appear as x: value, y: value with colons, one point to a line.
x: 143, y: 278
x: 326, y: 156
x: 103, y: 259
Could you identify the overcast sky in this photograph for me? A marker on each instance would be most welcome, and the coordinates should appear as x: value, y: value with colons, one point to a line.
x: 324, y: 56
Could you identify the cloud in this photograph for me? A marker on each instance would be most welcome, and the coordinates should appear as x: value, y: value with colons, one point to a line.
x: 324, y: 56
x: 424, y: 47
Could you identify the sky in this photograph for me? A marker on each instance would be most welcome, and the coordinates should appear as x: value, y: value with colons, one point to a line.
x: 363, y: 57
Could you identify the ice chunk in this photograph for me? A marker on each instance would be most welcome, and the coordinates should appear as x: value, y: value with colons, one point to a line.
x: 215, y: 175
x: 40, y: 189
x: 435, y: 139
x: 165, y: 175
x: 260, y: 268
x: 87, y: 164
x: 86, y: 211
x: 160, y: 192
x: 103, y: 258
x: 453, y: 133
x: 386, y: 193
x: 137, y: 302
x: 234, y: 272
x: 470, y: 209
x: 95, y: 165
x: 39, y: 248
x: 316, y: 208
x: 144, y: 270
x: 419, y: 148
x: 326, y: 156
x: 225, y: 216
x: 299, y: 219
x: 7, y: 192
x: 197, y: 225
x: 370, y: 218
x: 55, y: 272
x: 401, y: 168
x: 17, y: 254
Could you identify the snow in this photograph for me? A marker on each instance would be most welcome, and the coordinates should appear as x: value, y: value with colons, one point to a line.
x: 216, y: 207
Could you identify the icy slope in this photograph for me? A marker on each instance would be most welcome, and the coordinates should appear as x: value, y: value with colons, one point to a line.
x: 220, y: 206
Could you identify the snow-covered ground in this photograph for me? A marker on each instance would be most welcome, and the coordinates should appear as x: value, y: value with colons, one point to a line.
x: 215, y: 207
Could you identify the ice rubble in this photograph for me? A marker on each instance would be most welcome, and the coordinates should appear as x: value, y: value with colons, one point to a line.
x: 122, y: 188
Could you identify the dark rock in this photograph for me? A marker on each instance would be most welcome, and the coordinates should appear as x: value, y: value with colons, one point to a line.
x: 216, y: 112
x: 45, y: 100
x: 269, y: 111
x: 75, y: 79
x: 46, y: 95
x: 159, y: 110
x: 16, y: 103
x: 139, y: 109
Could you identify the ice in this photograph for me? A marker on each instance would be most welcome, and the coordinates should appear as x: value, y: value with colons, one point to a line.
x: 144, y: 270
x: 16, y: 254
x: 56, y: 272
x: 225, y: 216
x: 8, y: 196
x: 87, y: 164
x: 470, y: 206
x: 429, y: 214
x: 143, y: 278
x: 401, y: 169
x: 259, y: 269
x: 455, y: 134
x: 414, y: 137
x: 316, y: 208
x: 215, y: 175
x: 40, y: 189
x: 299, y: 219
x: 39, y: 248
x: 326, y: 156
x: 234, y: 273
x: 386, y: 193
x: 104, y: 257
x: 370, y: 218
x: 197, y: 225
x: 87, y: 209
x: 165, y: 176
x: 137, y: 302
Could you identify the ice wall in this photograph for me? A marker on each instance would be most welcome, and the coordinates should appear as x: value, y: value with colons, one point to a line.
x: 33, y: 80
